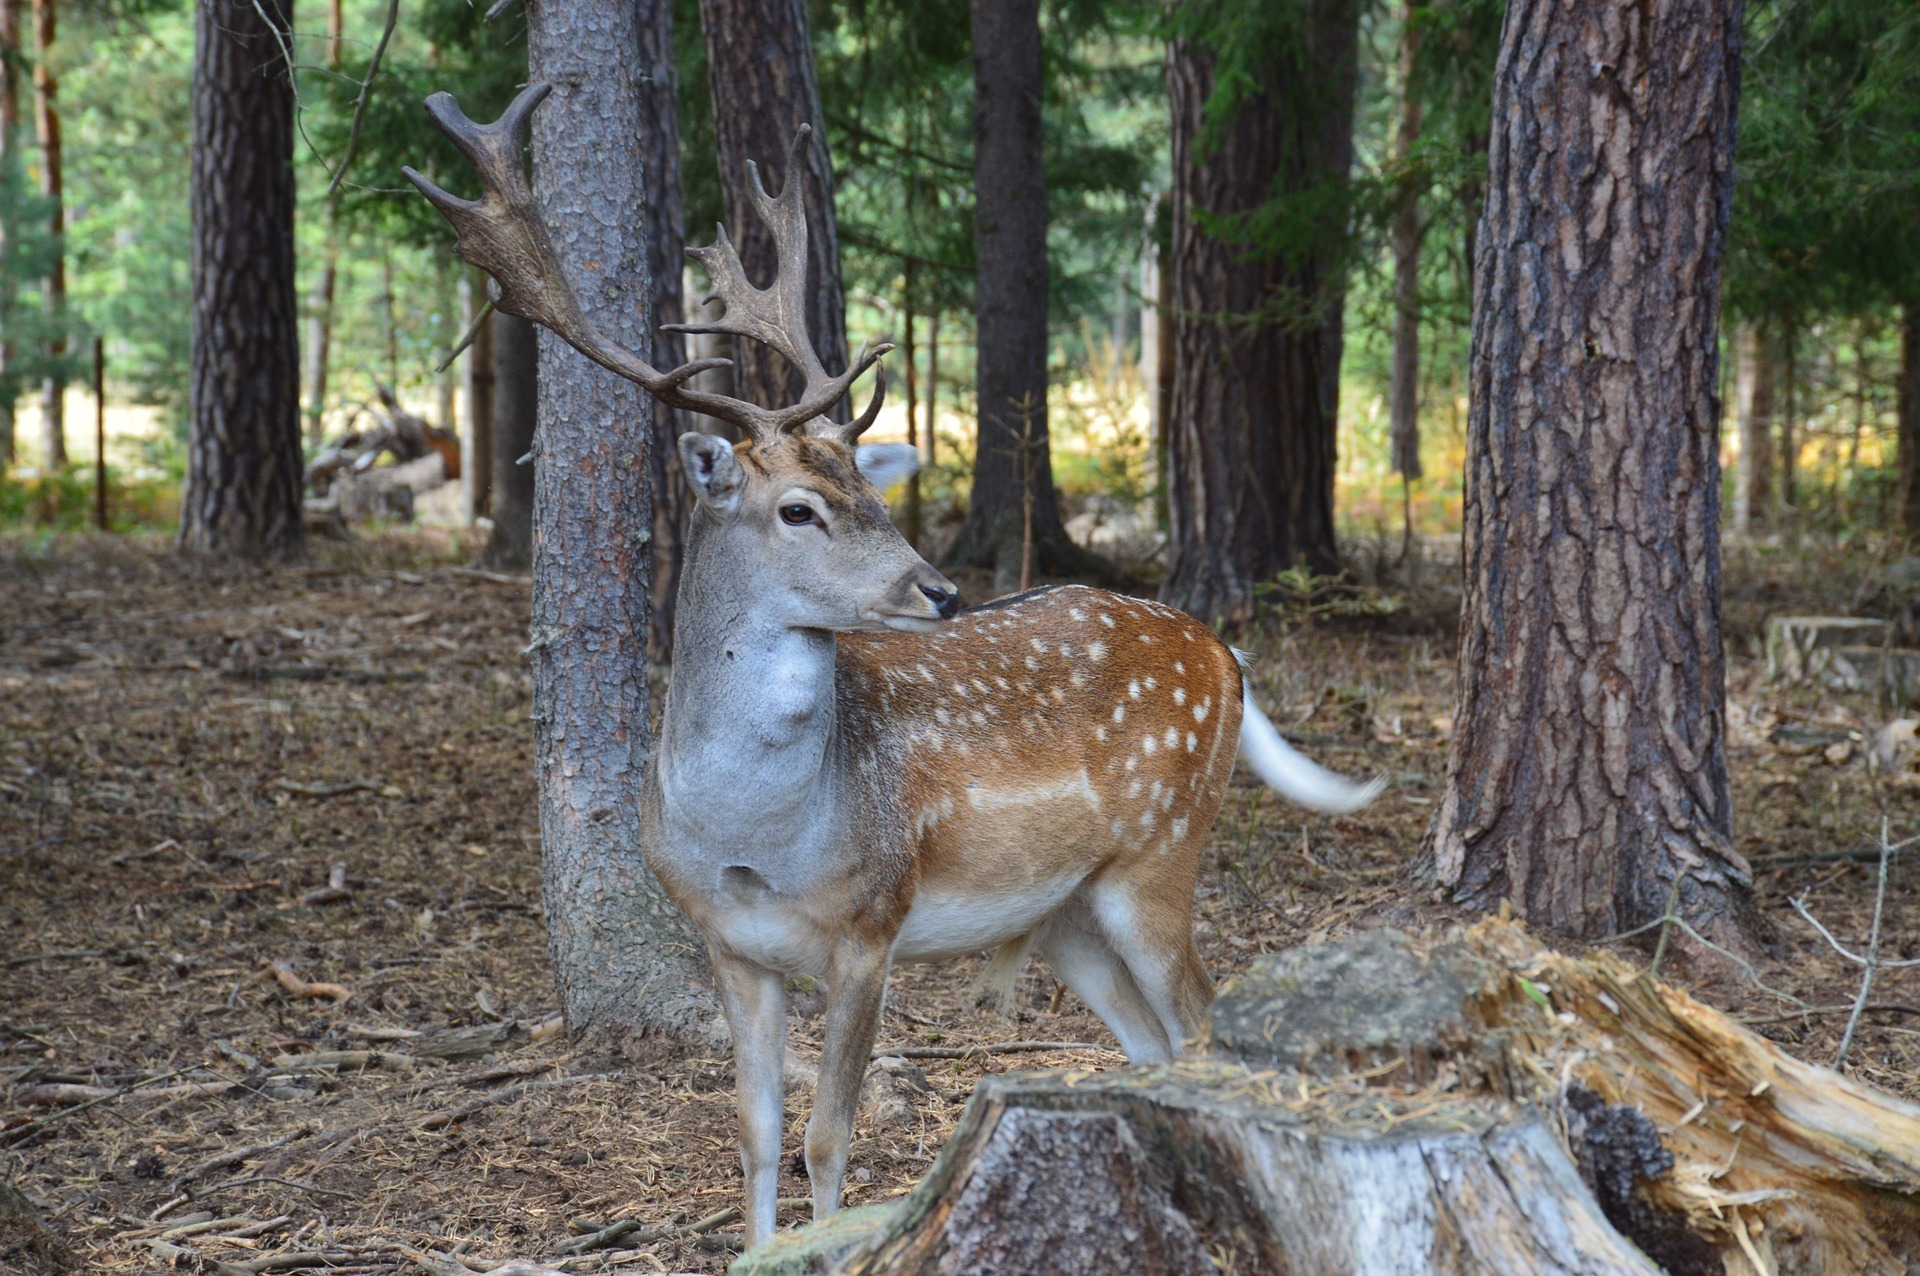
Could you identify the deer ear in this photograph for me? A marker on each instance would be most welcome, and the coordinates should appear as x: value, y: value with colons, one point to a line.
x: 713, y: 470
x: 885, y: 464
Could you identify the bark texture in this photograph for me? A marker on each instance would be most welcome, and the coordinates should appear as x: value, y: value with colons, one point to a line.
x: 1251, y: 439
x: 1909, y: 409
x: 1587, y: 776
x: 659, y: 144
x: 627, y: 962
x: 1012, y: 466
x: 46, y: 127
x: 760, y: 69
x: 243, y: 455
x: 516, y: 406
x: 1753, y: 410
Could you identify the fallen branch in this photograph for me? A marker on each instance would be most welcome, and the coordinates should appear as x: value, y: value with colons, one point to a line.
x: 31, y: 1128
x: 969, y: 1052
x: 631, y: 1229
x: 233, y: 1156
x: 298, y: 987
x: 317, y: 790
x: 333, y: 892
x: 1872, y: 1008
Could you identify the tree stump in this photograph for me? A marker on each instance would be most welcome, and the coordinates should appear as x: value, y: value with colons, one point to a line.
x: 1386, y: 1105
x: 1800, y: 648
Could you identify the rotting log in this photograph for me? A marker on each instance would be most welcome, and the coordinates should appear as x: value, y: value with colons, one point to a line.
x: 1386, y: 1104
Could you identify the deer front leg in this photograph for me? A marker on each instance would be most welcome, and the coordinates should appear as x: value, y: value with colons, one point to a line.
x: 755, y: 1000
x: 857, y: 985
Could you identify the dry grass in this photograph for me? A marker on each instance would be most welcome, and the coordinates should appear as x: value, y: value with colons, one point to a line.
x: 163, y: 842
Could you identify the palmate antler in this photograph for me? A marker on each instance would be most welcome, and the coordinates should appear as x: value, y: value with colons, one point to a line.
x: 504, y: 233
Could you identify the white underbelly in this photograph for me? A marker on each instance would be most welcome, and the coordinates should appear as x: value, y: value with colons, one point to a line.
x: 943, y: 924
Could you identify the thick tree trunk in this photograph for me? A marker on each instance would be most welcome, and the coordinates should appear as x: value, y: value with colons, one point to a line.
x: 627, y: 961
x: 760, y: 71
x: 243, y: 457
x: 476, y: 440
x: 10, y: 63
x: 1909, y: 409
x: 1012, y: 507
x: 516, y: 407
x: 1403, y: 394
x: 1251, y: 442
x: 46, y: 119
x: 659, y: 143
x: 1753, y: 410
x: 1587, y: 777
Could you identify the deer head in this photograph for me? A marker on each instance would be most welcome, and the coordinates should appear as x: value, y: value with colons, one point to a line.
x: 795, y: 510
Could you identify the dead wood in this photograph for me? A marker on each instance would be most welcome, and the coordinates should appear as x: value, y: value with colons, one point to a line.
x: 971, y: 1052
x: 1383, y: 1104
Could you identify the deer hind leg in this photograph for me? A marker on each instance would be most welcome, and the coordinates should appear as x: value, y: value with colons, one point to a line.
x: 1149, y: 923
x: 1085, y: 962
x: 856, y: 988
x: 755, y: 1000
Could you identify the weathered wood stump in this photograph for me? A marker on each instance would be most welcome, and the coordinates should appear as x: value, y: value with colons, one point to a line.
x: 1386, y: 1105
x: 1800, y: 648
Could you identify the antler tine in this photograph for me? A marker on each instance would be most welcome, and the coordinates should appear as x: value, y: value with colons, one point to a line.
x: 849, y: 433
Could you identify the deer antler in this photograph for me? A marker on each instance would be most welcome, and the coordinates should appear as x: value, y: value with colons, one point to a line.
x: 505, y: 235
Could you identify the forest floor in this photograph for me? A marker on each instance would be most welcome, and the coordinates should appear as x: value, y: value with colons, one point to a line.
x: 204, y: 773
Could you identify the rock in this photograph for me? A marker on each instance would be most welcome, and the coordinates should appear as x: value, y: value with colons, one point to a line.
x: 1800, y: 648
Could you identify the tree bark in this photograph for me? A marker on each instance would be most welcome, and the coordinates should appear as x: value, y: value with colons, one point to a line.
x: 243, y: 461
x: 516, y: 406
x: 1252, y: 426
x: 1908, y: 442
x: 627, y: 961
x: 476, y: 441
x: 1012, y: 464
x: 760, y: 72
x: 1753, y: 374
x: 9, y: 126
x: 659, y: 143
x: 1587, y: 777
x: 46, y: 119
x: 1403, y: 393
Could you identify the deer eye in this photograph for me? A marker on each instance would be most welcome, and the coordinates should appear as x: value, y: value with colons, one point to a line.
x: 796, y: 515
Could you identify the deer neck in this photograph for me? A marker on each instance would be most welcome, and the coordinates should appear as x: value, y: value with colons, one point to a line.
x: 746, y: 738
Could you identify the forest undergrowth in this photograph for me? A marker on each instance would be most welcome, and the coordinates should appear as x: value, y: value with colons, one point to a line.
x: 269, y: 865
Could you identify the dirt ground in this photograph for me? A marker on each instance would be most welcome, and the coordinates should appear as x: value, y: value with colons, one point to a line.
x: 204, y: 773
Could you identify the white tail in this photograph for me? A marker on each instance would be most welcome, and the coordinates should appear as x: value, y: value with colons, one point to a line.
x: 1292, y: 774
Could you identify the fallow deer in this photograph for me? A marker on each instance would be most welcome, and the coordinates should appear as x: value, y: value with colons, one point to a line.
x: 850, y: 774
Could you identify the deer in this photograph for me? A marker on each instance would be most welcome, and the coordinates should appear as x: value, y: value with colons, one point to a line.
x: 850, y: 770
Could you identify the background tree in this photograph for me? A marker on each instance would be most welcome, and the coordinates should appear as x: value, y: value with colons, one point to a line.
x: 53, y: 292
x: 244, y: 467
x: 761, y: 78
x: 516, y: 408
x: 9, y: 125
x: 666, y: 241
x: 1262, y: 103
x: 627, y: 961
x: 1012, y: 509
x: 1587, y: 777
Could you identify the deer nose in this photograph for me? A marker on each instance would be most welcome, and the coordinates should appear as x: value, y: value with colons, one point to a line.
x: 946, y: 601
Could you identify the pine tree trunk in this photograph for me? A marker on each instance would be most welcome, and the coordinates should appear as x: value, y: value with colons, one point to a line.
x: 1251, y: 429
x: 1012, y: 464
x: 10, y: 63
x: 1587, y: 776
x: 516, y: 406
x: 320, y: 328
x: 910, y: 354
x: 46, y: 118
x: 243, y: 461
x: 1403, y: 395
x: 659, y: 143
x: 1909, y: 420
x: 476, y: 441
x: 626, y: 960
x: 1786, y: 350
x: 760, y: 70
x: 1754, y: 359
